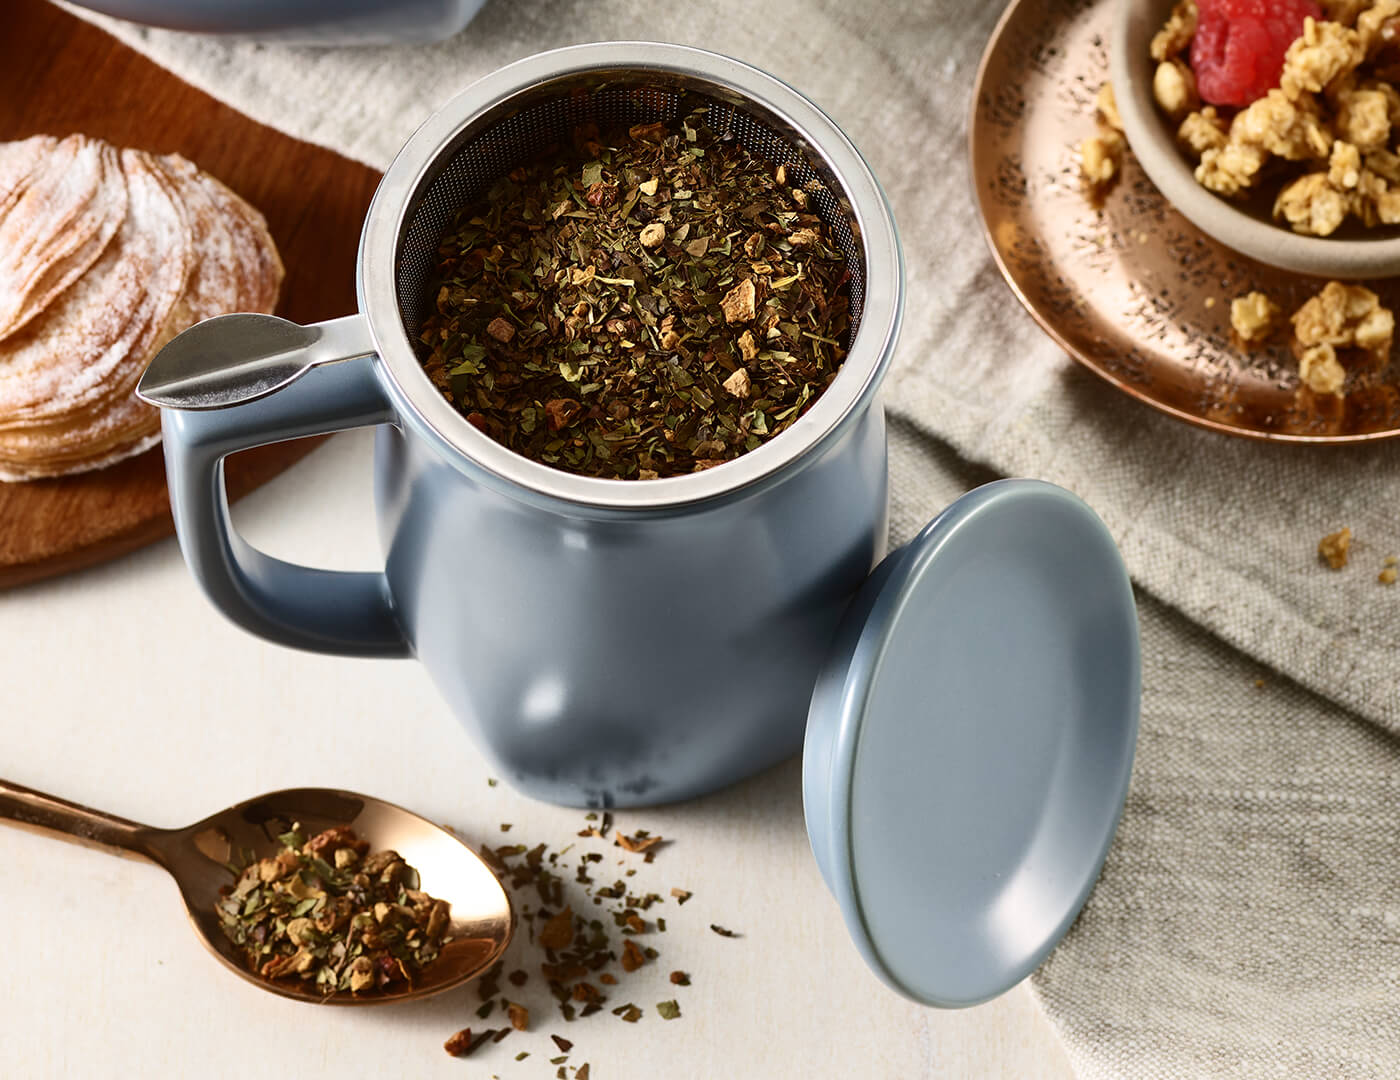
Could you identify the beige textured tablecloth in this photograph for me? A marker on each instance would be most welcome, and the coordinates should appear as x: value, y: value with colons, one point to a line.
x: 1247, y: 922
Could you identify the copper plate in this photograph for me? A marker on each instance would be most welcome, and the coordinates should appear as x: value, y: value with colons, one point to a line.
x: 1130, y: 288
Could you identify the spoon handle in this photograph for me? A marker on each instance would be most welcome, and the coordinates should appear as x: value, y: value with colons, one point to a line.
x: 37, y: 812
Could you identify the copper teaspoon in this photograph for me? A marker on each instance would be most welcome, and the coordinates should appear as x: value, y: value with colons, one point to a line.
x: 482, y: 919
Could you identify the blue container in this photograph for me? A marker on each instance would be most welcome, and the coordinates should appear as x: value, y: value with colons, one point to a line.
x: 606, y: 642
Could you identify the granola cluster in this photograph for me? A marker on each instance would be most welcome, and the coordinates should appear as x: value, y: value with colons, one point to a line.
x: 1334, y: 550
x: 1101, y: 154
x: 1348, y: 317
x: 1325, y: 135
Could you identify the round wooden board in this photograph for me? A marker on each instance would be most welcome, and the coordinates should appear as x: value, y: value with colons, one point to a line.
x: 59, y: 75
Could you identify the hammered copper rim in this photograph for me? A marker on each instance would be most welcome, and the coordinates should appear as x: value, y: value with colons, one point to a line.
x: 1129, y: 288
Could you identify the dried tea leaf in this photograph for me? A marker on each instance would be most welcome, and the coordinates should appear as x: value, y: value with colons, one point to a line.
x: 632, y: 957
x: 558, y: 932
x: 669, y: 1010
x: 722, y: 932
x: 638, y: 843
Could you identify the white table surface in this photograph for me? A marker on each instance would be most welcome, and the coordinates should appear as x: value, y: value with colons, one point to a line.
x: 121, y: 688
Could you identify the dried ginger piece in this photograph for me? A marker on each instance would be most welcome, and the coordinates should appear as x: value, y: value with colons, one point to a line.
x: 1320, y: 370
x: 1174, y: 87
x: 1334, y: 548
x: 1345, y: 315
x: 1202, y: 131
x: 1323, y: 52
x: 1176, y: 32
x: 1253, y: 317
x: 1312, y: 205
x: 738, y: 303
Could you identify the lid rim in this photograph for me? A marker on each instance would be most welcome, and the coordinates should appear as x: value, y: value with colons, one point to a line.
x: 864, y: 649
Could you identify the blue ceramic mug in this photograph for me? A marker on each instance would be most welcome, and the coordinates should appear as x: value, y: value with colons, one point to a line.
x: 606, y: 642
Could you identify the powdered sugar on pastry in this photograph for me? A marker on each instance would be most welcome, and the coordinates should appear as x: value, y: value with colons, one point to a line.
x: 58, y: 214
x: 17, y: 161
x: 151, y: 246
x: 67, y: 357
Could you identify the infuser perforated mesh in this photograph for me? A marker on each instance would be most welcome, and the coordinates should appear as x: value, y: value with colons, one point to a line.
x: 472, y: 166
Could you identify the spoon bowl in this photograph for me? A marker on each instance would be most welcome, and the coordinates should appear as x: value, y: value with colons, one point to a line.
x: 199, y: 858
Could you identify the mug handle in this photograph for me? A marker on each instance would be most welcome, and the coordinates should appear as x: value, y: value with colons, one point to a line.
x: 327, y: 611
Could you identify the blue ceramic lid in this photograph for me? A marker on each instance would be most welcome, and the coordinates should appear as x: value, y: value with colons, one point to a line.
x: 970, y: 740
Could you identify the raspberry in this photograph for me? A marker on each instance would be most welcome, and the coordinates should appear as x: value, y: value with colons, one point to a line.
x: 1237, y: 53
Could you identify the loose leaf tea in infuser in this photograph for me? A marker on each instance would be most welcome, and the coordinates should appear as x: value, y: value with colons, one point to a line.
x: 653, y: 302
x: 328, y: 911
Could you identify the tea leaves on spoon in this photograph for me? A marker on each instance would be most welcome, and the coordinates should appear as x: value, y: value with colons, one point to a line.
x: 327, y: 911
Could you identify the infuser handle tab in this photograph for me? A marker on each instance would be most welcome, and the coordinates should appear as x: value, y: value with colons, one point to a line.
x: 329, y: 611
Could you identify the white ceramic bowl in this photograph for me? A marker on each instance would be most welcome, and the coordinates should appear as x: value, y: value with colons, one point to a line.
x: 1153, y: 140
